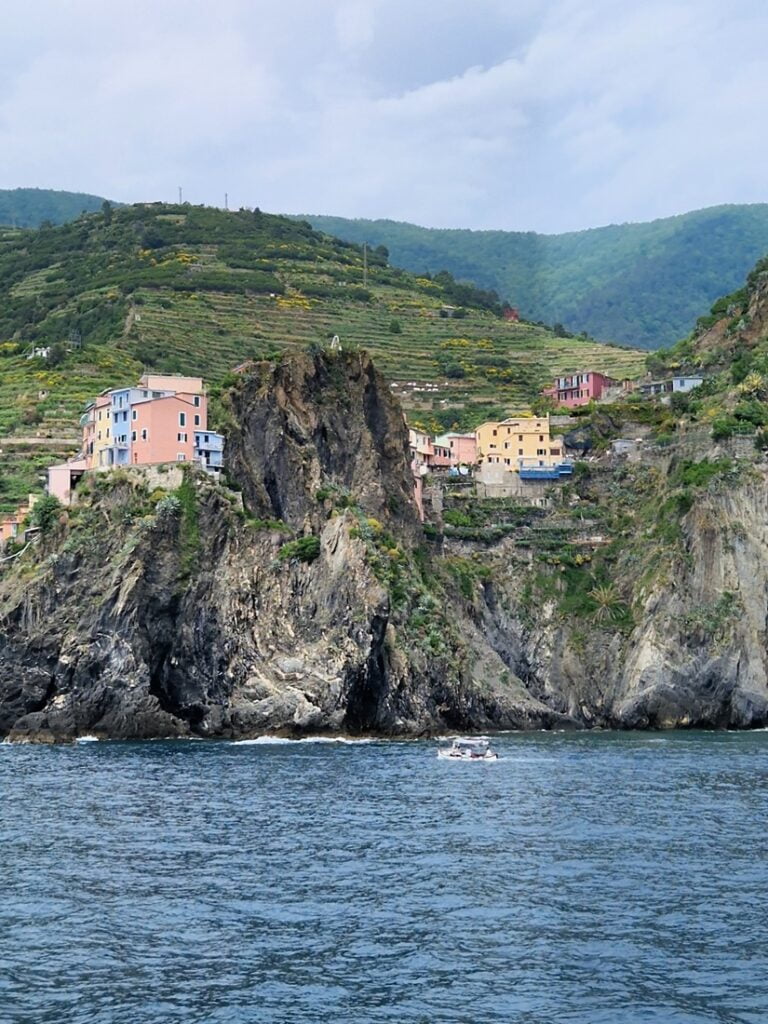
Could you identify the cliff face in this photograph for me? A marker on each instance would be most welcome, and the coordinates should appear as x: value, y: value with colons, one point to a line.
x: 177, y: 615
x: 307, y: 424
x: 151, y: 612
x: 695, y: 651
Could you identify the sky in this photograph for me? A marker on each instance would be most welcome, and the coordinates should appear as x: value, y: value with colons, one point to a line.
x: 544, y: 115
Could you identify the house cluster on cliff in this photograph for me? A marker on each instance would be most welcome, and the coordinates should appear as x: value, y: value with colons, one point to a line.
x: 516, y: 450
x: 161, y: 419
x: 587, y: 386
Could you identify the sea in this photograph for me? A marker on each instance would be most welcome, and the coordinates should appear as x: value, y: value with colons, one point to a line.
x: 583, y: 878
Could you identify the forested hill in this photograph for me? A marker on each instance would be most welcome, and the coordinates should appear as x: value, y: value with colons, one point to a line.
x: 639, y: 284
x: 31, y: 207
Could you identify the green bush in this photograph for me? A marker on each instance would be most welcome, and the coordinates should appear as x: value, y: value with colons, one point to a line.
x: 304, y: 549
x: 726, y: 426
x: 699, y: 474
x: 46, y: 512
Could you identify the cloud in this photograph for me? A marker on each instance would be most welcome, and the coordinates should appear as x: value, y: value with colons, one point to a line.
x: 547, y: 115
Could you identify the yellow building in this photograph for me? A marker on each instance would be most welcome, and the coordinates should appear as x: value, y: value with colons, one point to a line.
x: 96, y: 429
x: 520, y: 440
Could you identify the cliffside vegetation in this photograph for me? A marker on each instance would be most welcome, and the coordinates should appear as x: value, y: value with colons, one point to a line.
x: 639, y: 284
x: 729, y: 347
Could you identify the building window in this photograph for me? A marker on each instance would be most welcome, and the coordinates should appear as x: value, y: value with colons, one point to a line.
x: 541, y: 451
x: 182, y: 419
x: 181, y: 457
x: 144, y: 434
x: 99, y: 435
x: 197, y: 401
x: 541, y: 437
x: 197, y: 420
x: 519, y: 451
x: 182, y: 438
x: 134, y: 414
x: 495, y: 433
x: 145, y: 394
x: 554, y: 451
x: 506, y: 462
x: 133, y: 435
x: 519, y: 437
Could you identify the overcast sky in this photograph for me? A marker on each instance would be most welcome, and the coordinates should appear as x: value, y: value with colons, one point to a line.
x: 545, y: 115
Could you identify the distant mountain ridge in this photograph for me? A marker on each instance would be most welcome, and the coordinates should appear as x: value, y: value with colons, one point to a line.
x: 638, y: 284
x: 31, y: 207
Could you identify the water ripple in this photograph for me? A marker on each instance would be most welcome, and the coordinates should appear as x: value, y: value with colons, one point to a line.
x: 585, y: 879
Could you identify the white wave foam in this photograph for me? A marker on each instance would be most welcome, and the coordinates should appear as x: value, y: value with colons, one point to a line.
x: 285, y: 740
x: 87, y: 739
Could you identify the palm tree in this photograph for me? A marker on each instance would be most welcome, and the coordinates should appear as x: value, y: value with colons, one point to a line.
x: 753, y: 384
x: 609, y: 606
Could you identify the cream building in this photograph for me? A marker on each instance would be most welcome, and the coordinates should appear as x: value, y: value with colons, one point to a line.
x: 518, y: 441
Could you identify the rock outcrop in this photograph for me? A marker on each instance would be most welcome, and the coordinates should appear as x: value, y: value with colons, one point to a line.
x: 179, y: 615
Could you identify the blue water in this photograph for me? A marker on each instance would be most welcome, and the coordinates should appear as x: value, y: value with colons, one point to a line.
x: 581, y: 879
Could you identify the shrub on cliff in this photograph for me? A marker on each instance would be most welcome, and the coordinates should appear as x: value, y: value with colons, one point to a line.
x: 46, y: 512
x: 304, y: 549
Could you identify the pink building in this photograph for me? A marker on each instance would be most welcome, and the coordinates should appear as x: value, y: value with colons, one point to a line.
x: 444, y: 452
x: 429, y: 452
x: 63, y: 479
x: 462, y: 448
x: 163, y: 429
x: 579, y: 388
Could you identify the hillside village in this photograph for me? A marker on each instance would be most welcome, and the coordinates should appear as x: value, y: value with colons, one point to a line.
x: 163, y: 419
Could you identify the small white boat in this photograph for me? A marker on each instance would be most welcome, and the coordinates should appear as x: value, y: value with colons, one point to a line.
x: 478, y: 749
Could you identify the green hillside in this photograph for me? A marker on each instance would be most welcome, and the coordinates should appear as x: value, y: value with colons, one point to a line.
x: 31, y: 207
x: 196, y: 290
x: 639, y: 284
x: 729, y: 347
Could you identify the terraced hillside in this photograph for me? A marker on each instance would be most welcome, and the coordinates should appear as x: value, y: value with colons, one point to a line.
x: 195, y: 290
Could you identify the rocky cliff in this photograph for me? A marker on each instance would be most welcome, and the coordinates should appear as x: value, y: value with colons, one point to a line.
x: 302, y: 595
x: 153, y: 613
x: 692, y: 648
